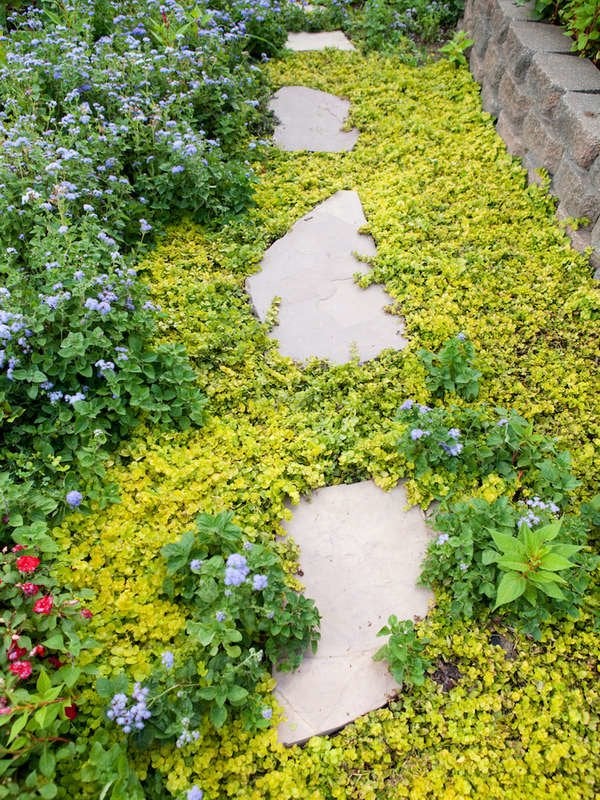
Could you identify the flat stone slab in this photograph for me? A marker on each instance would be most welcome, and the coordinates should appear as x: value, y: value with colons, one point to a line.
x: 319, y: 41
x: 360, y: 553
x: 323, y: 312
x: 309, y: 119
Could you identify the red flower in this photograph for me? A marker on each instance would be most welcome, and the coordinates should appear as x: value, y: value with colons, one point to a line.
x: 43, y: 605
x: 18, y: 547
x: 27, y: 563
x: 38, y: 650
x: 29, y: 589
x: 22, y: 669
x: 86, y: 613
x: 71, y: 711
x: 4, y: 707
x: 55, y: 661
x: 15, y: 652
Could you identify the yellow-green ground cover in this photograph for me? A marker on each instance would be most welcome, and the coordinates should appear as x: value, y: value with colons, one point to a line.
x: 463, y: 244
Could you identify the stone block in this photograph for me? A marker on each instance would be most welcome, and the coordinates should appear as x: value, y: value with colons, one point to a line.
x: 476, y: 23
x: 512, y: 100
x: 577, y: 122
x: 551, y: 75
x: 572, y: 186
x: 494, y: 67
x: 543, y: 150
x: 525, y: 39
x: 503, y: 13
x: 510, y: 136
x: 594, y: 175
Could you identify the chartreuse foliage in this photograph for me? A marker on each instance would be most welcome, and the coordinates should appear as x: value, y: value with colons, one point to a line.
x: 463, y: 245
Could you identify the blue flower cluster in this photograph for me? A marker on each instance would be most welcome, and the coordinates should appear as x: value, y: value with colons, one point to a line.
x: 530, y: 518
x: 130, y: 717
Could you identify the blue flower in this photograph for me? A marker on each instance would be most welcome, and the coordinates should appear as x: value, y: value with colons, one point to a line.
x: 168, y: 659
x: 220, y: 616
x: 195, y: 564
x: 454, y: 433
x: 442, y: 538
x: 259, y: 582
x: 267, y: 713
x: 418, y: 433
x: 195, y: 793
x: 74, y: 498
x: 407, y: 405
x: 177, y: 169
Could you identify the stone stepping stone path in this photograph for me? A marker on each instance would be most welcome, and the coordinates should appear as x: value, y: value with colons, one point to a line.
x: 360, y: 549
x: 309, y: 119
x: 360, y: 556
x: 319, y: 41
x: 323, y: 312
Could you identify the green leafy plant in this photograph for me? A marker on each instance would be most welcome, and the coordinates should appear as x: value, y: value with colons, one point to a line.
x: 403, y: 652
x: 243, y: 618
x: 455, y: 49
x: 452, y: 370
x: 530, y: 563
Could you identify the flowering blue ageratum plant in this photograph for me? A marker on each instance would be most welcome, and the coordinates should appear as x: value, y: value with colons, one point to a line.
x: 243, y: 619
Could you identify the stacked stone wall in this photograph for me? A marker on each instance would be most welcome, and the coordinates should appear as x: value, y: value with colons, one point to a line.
x: 546, y: 101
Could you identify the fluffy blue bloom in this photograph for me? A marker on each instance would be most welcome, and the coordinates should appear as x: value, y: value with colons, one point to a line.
x: 195, y: 564
x: 442, y: 538
x: 195, y: 793
x: 407, y: 405
x: 74, y: 498
x: 454, y: 433
x: 259, y: 582
x: 267, y: 713
x: 418, y: 433
x: 220, y: 616
x: 168, y: 659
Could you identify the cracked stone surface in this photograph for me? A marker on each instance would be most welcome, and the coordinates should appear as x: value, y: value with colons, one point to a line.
x: 323, y: 312
x: 360, y: 554
x: 319, y: 41
x: 309, y: 119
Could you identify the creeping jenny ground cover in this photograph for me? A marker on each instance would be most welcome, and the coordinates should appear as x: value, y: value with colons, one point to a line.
x: 464, y: 246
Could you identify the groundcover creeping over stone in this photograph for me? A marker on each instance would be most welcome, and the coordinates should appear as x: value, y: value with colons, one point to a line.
x: 462, y: 245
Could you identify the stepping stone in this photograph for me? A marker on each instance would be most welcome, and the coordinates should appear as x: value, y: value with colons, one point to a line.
x: 319, y: 41
x: 360, y: 553
x: 323, y: 312
x: 309, y: 119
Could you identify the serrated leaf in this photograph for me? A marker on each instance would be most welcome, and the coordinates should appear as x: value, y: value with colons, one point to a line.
x: 489, y: 557
x: 510, y: 588
x: 507, y: 543
x: 218, y: 715
x: 508, y: 563
x: 555, y: 562
x: 18, y: 726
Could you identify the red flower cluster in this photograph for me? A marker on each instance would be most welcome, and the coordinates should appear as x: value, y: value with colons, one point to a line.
x: 22, y: 669
x: 43, y: 605
x: 29, y: 589
x: 27, y: 564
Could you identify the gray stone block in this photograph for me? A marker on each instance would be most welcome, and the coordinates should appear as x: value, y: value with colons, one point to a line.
x: 594, y: 175
x: 525, y: 39
x: 551, y: 75
x: 595, y: 238
x: 543, y: 149
x: 512, y: 100
x: 510, y: 136
x: 494, y: 66
x: 503, y: 13
x: 572, y: 186
x: 577, y: 122
x: 476, y: 23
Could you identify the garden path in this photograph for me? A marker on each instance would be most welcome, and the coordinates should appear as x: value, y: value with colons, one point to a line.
x: 360, y: 548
